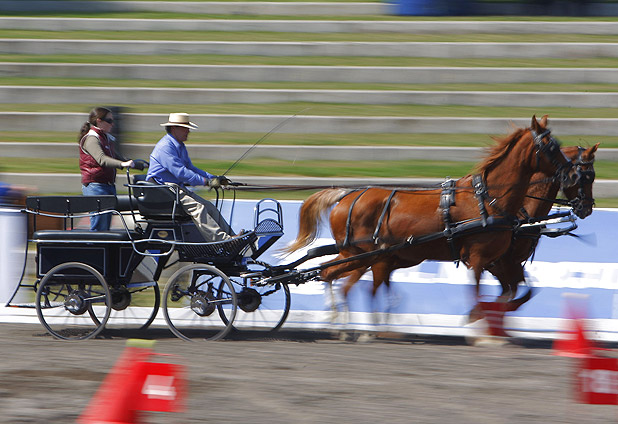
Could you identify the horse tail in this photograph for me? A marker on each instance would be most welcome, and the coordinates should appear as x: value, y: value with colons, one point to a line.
x: 311, y: 215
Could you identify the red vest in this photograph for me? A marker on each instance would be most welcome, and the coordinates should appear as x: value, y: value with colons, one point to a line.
x: 91, y: 171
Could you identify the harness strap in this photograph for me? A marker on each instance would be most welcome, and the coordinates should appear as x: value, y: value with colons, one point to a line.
x: 525, y: 214
x: 447, y: 199
x: 496, y: 223
x: 481, y: 194
x: 348, y: 226
x: 379, y: 225
x: 562, y: 202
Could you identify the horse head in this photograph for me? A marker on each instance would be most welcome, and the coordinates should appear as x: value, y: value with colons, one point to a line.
x: 580, y: 195
x: 549, y: 158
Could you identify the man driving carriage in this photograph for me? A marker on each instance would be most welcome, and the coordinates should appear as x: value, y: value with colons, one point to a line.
x: 170, y: 164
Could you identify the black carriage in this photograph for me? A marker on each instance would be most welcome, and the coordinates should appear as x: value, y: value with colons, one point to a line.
x: 87, y: 281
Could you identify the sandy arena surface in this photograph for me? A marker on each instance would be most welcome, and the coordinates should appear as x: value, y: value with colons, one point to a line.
x: 304, y: 377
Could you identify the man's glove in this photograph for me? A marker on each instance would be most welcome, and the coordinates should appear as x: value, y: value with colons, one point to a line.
x: 223, y: 180
x: 217, y: 182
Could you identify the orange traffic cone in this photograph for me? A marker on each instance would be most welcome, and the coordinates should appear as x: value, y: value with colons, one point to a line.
x: 135, y: 385
x: 112, y: 403
x: 574, y: 342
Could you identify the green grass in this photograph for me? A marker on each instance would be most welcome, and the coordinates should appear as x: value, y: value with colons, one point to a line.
x: 255, y: 165
x: 197, y: 59
x: 96, y: 82
x: 257, y: 36
x: 337, y: 109
x: 352, y: 139
x: 610, y: 202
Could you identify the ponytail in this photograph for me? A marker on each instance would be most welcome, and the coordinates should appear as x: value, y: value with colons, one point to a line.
x: 83, y: 131
x: 95, y: 113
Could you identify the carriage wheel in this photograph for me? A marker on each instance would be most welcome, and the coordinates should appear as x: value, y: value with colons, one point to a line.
x: 133, y: 306
x: 68, y: 297
x: 260, y: 308
x: 190, y: 298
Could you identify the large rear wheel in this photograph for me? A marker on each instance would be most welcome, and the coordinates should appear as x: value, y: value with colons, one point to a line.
x: 190, y: 299
x: 73, y: 301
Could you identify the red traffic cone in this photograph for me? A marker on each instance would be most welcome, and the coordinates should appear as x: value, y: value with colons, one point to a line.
x: 135, y: 385
x: 112, y: 403
x: 574, y: 343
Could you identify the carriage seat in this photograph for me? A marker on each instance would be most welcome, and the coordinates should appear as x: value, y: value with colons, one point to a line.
x: 157, y: 202
x: 85, y: 235
x: 124, y: 203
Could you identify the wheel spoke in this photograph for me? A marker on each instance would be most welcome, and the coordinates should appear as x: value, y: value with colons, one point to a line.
x: 64, y: 301
x: 191, y: 298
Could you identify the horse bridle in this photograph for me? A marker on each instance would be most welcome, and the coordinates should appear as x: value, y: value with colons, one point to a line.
x: 584, y: 176
x: 551, y: 150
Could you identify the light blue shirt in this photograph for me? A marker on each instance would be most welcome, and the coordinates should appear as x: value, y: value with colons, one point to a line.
x: 170, y: 163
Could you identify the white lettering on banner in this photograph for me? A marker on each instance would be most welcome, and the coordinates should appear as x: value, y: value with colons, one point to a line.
x: 599, y: 381
x: 159, y: 387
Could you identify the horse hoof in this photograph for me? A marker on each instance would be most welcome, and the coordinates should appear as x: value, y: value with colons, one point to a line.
x: 366, y: 338
x: 344, y: 336
x: 488, y: 341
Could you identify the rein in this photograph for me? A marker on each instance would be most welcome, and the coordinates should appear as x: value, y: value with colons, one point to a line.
x: 561, y: 202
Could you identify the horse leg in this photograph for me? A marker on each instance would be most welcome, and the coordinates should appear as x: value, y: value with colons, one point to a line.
x: 334, y: 272
x: 381, y: 272
x: 352, y: 278
x: 499, y: 270
x: 477, y: 312
x: 478, y: 256
x: 493, y: 312
x: 516, y: 275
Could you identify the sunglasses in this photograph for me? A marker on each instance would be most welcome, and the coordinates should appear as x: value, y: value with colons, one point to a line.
x: 108, y: 120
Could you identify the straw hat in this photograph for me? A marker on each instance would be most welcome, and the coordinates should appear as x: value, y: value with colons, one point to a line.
x: 179, y: 120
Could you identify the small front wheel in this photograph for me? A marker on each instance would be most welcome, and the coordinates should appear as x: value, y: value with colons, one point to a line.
x: 73, y: 301
x: 191, y: 297
x: 260, y: 308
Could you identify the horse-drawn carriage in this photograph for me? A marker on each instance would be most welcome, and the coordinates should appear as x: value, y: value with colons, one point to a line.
x: 87, y: 281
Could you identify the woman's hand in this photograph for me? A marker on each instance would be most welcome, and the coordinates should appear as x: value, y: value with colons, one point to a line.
x: 128, y: 164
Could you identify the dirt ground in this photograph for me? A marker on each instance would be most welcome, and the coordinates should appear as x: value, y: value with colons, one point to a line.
x: 304, y: 377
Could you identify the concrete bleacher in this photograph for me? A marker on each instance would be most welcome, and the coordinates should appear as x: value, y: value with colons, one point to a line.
x: 148, y: 122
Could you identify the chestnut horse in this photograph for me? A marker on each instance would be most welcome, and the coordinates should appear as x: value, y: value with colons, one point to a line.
x: 539, y: 199
x: 377, y: 218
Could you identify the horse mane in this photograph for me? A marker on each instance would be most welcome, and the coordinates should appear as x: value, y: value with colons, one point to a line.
x: 500, y: 150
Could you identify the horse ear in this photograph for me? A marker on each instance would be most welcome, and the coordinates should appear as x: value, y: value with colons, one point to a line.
x: 543, y: 121
x: 594, y: 148
x: 534, y: 124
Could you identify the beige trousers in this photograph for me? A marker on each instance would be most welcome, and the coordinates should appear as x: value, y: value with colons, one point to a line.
x: 206, y: 217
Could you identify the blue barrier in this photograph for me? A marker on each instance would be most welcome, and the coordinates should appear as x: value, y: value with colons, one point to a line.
x: 435, y: 297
